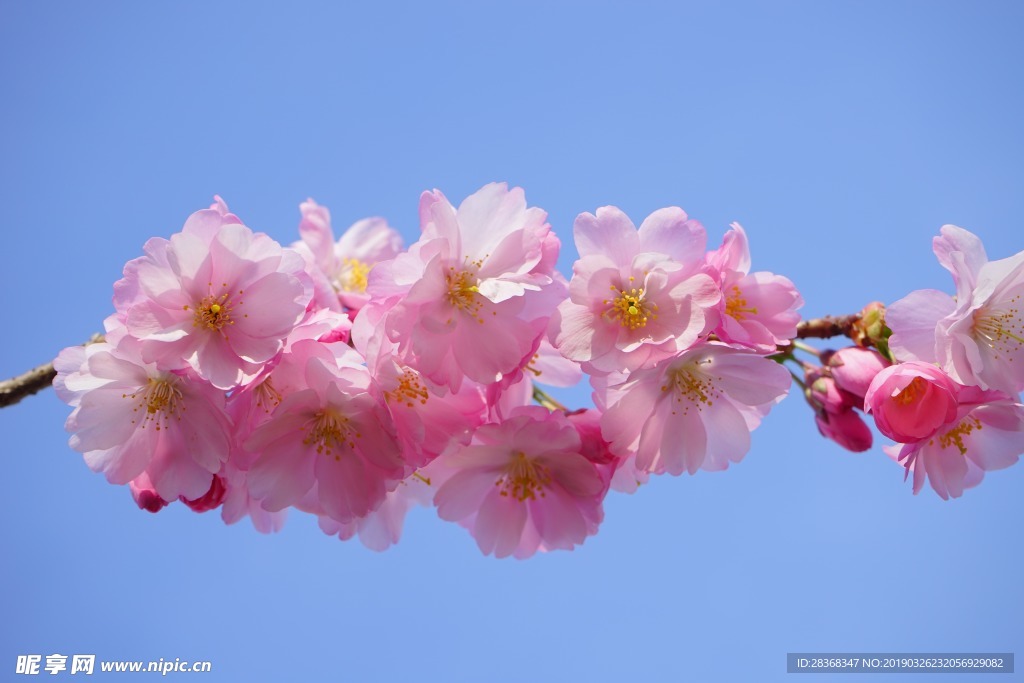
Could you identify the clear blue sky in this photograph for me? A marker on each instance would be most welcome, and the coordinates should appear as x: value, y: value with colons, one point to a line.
x: 842, y: 135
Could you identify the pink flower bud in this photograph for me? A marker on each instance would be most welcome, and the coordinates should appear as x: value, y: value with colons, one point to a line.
x: 846, y: 428
x: 910, y: 401
x: 853, y: 368
x: 827, y: 395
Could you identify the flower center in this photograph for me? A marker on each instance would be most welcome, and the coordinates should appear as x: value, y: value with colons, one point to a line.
x: 628, y: 307
x: 955, y: 436
x: 353, y: 276
x: 693, y: 386
x: 214, y: 310
x: 159, y: 401
x: 463, y: 293
x: 330, y: 432
x: 911, y: 392
x: 523, y: 478
x: 410, y: 390
x: 267, y: 396
x: 1001, y: 330
x: 736, y: 305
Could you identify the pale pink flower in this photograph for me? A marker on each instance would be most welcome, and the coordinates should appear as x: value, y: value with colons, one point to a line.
x: 758, y: 310
x: 332, y: 433
x: 983, y: 436
x: 382, y: 528
x: 470, y: 277
x: 427, y: 420
x: 345, y: 265
x: 636, y: 296
x: 694, y: 411
x: 910, y: 401
x: 238, y: 503
x: 216, y: 297
x: 978, y: 337
x: 523, y: 486
x: 134, y: 419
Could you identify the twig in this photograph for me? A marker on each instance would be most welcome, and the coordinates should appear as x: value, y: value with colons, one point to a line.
x: 829, y: 326
x: 33, y: 381
x: 37, y: 379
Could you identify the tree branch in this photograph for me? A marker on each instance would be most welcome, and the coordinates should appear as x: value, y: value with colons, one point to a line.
x: 829, y: 326
x: 37, y: 379
x: 33, y: 381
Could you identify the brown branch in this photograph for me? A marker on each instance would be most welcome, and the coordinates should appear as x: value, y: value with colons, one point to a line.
x: 829, y: 326
x: 31, y: 382
x: 37, y: 379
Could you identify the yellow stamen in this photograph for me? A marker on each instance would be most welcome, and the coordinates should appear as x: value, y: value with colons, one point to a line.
x: 410, y: 390
x: 911, y: 392
x: 160, y: 400
x: 736, y: 305
x: 693, y: 385
x: 1002, y: 330
x: 629, y: 308
x: 955, y: 436
x: 330, y: 432
x: 354, y: 276
x: 524, y: 479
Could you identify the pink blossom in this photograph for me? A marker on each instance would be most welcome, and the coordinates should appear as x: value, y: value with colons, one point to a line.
x: 344, y: 265
x: 427, y: 420
x: 978, y: 337
x: 382, y: 528
x: 694, y: 411
x: 472, y: 276
x: 216, y: 297
x: 133, y: 418
x: 332, y: 433
x: 854, y: 367
x: 636, y: 296
x: 523, y: 485
x: 910, y: 401
x: 238, y: 503
x: 758, y: 310
x: 984, y: 435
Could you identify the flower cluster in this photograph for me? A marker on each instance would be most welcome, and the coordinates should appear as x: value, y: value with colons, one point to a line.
x: 947, y: 389
x: 353, y: 379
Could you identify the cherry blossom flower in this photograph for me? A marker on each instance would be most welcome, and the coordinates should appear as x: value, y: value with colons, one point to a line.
x: 382, y: 528
x: 694, y: 411
x: 133, y: 419
x: 470, y: 277
x: 238, y: 503
x: 978, y: 337
x: 758, y: 310
x: 910, y: 401
x: 523, y: 486
x: 344, y: 265
x: 984, y: 435
x: 216, y: 297
x: 332, y: 433
x: 636, y: 296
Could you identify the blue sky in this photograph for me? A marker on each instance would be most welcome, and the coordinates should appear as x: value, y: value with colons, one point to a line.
x: 841, y: 135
